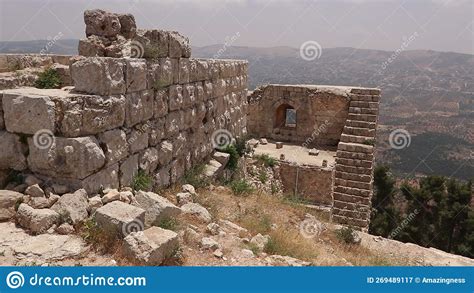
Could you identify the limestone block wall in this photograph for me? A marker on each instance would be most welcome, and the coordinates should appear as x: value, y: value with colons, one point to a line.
x: 124, y: 114
x: 321, y: 113
x: 312, y: 184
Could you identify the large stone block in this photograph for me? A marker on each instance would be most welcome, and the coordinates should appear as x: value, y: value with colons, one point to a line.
x: 157, y: 208
x: 101, y: 23
x: 189, y: 95
x: 157, y: 131
x: 120, y: 218
x: 115, y: 144
x: 136, y: 75
x: 175, y: 97
x: 8, y: 201
x: 183, y: 70
x: 165, y: 151
x: 179, y: 46
x: 128, y: 170
x: 161, y: 103
x: 97, y: 75
x: 148, y: 160
x: 152, y: 246
x: 74, y: 158
x: 138, y: 140
x: 155, y: 43
x: 174, y: 121
x: 27, y: 113
x: 105, y: 178
x: 86, y: 115
x: 36, y: 220
x: 73, y: 206
x: 139, y: 107
x: 11, y: 152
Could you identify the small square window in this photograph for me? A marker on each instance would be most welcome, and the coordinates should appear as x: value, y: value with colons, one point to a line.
x: 290, y: 120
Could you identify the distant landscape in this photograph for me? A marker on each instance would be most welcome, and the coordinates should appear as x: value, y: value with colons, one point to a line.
x: 430, y: 94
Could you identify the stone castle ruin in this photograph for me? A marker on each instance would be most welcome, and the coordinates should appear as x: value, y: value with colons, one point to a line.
x: 136, y: 101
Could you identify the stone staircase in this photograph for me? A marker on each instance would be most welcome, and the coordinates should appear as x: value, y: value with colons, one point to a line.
x: 353, y: 174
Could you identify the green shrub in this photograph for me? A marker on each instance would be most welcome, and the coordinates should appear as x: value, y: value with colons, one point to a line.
x: 48, y: 79
x: 142, y: 181
x: 168, y: 223
x: 242, y: 147
x: 346, y: 235
x: 266, y: 160
x: 234, y: 157
x: 195, y: 177
x: 263, y: 177
x: 241, y: 187
x: 369, y: 142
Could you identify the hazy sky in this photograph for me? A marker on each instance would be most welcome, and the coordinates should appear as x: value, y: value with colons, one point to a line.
x: 442, y: 25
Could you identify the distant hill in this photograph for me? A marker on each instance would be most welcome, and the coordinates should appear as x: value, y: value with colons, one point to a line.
x: 428, y: 93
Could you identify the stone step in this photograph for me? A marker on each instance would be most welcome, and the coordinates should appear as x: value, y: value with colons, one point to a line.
x: 350, y: 221
x: 363, y: 104
x: 353, y: 176
x: 354, y: 155
x: 365, y: 98
x: 354, y: 162
x: 358, y: 110
x: 351, y: 206
x: 354, y: 170
x: 353, y: 191
x: 351, y: 198
x: 361, y: 124
x: 363, y: 140
x: 362, y: 117
x: 355, y: 147
x: 354, y: 184
x: 359, y: 131
x: 351, y: 213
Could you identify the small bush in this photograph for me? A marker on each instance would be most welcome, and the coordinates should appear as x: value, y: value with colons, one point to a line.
x: 168, y: 223
x: 289, y: 243
x: 234, y: 157
x: 48, y: 79
x: 195, y: 177
x: 241, y: 187
x: 242, y: 147
x: 266, y: 160
x: 263, y: 177
x: 369, y: 142
x: 346, y: 235
x: 142, y: 181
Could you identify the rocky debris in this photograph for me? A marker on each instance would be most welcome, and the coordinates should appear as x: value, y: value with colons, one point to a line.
x: 313, y: 152
x: 253, y: 143
x: 279, y: 260
x: 218, y: 253
x: 197, y: 210
x: 32, y: 180
x: 190, y: 236
x: 114, y: 194
x: 264, y: 178
x: 37, y: 221
x: 221, y: 157
x: 151, y: 246
x: 65, y: 229
x: 208, y: 243
x: 184, y: 198
x: 233, y: 228
x: 263, y: 141
x: 73, y: 206
x: 157, y: 207
x: 43, y: 202
x: 279, y: 145
x: 120, y: 218
x: 8, y: 201
x: 213, y: 169
x: 95, y: 202
x: 35, y: 191
x: 259, y: 241
x: 213, y: 228
x: 60, y: 189
x: 247, y: 253
x: 189, y: 188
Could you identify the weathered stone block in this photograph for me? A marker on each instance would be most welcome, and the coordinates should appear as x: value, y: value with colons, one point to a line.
x: 183, y: 70
x: 148, y: 160
x: 136, y: 75
x: 36, y: 220
x: 11, y: 152
x: 66, y: 157
x: 165, y: 151
x: 105, y: 178
x: 128, y: 170
x: 86, y: 115
x: 155, y: 43
x: 101, y: 23
x: 189, y: 95
x: 73, y: 206
x: 115, y: 143
x: 139, y: 107
x: 157, y: 131
x: 161, y: 103
x: 179, y: 46
x: 28, y: 113
x: 97, y: 75
x: 175, y: 97
x: 174, y: 121
x: 137, y: 140
x: 156, y: 208
x: 152, y: 246
x: 8, y: 201
x: 120, y: 218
